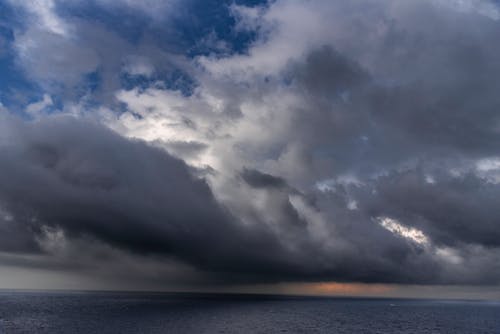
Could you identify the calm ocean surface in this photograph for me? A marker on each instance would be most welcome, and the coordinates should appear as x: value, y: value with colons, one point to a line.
x: 30, y: 312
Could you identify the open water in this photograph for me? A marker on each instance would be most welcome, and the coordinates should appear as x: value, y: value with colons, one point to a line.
x: 37, y: 312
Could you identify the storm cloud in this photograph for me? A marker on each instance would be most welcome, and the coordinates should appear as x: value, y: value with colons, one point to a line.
x: 316, y: 141
x: 82, y: 178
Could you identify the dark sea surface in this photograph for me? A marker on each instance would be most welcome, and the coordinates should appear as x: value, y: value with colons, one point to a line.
x: 36, y: 312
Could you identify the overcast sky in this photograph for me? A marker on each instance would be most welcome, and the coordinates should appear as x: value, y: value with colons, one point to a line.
x: 298, y: 146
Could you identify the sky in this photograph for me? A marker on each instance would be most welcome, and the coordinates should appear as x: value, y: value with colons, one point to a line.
x: 285, y: 146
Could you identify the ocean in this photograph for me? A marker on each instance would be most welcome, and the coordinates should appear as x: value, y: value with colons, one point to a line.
x: 43, y: 312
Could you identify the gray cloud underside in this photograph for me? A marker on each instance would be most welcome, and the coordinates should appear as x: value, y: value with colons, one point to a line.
x: 83, y: 179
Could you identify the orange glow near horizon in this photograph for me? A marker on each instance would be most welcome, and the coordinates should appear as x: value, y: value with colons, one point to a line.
x: 339, y: 289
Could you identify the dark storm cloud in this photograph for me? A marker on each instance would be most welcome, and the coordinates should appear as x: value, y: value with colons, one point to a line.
x: 355, y: 118
x: 258, y: 179
x: 87, y: 180
x: 390, y: 128
x: 83, y: 179
x: 327, y: 72
x: 450, y: 210
x: 15, y: 237
x: 438, y: 110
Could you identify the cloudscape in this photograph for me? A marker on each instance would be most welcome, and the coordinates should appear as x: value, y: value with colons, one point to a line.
x: 313, y: 146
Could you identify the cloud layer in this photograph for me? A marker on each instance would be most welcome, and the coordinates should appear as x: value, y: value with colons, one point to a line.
x: 315, y: 141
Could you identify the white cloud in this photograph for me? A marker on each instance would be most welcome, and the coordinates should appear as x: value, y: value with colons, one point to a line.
x: 137, y: 65
x: 488, y: 164
x: 304, y: 23
x: 44, y: 15
x: 36, y: 107
x: 157, y: 9
x: 409, y: 233
x: 64, y: 59
x: 489, y: 168
x: 449, y: 255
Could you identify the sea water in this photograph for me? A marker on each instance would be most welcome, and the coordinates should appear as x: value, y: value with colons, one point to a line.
x: 37, y: 312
